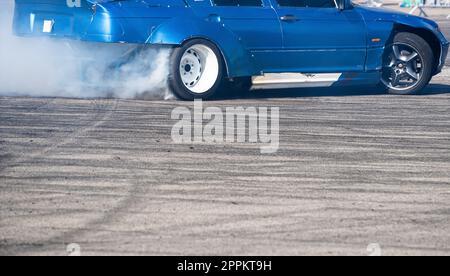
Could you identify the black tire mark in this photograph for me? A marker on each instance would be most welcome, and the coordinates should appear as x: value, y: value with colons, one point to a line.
x: 99, y: 118
x: 48, y: 102
x: 136, y: 188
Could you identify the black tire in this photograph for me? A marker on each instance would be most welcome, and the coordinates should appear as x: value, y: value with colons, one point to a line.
x: 176, y: 84
x: 426, y: 55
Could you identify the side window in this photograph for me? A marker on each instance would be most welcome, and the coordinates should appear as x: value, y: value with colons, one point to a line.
x: 238, y: 3
x: 307, y: 3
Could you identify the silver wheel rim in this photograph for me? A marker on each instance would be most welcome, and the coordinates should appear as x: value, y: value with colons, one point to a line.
x: 402, y: 67
x: 199, y: 68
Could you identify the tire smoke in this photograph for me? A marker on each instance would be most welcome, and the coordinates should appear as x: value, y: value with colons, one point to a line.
x: 56, y: 68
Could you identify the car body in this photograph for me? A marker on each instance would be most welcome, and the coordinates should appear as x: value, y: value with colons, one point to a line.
x: 255, y: 37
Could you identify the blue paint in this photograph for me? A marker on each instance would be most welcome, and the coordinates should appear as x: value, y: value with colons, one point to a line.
x: 253, y: 40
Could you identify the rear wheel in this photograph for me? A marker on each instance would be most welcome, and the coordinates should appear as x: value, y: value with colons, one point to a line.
x: 196, y: 70
x: 407, y: 64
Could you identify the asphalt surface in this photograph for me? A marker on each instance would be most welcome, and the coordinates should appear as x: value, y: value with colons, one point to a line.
x: 355, y: 167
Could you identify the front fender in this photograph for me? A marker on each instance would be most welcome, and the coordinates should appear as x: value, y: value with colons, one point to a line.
x: 418, y: 23
x: 372, y: 15
x: 178, y: 30
x: 381, y: 25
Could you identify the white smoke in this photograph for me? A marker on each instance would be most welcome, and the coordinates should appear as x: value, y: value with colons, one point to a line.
x: 46, y: 67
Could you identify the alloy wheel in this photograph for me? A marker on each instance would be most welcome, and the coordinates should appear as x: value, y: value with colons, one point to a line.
x: 402, y: 67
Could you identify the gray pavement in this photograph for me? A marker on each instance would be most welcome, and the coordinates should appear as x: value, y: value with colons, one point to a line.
x: 354, y: 168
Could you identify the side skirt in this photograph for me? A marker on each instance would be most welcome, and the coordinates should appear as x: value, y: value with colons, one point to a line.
x: 301, y: 80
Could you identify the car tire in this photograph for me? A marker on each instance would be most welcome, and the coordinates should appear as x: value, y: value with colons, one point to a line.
x: 407, y: 65
x: 196, y: 70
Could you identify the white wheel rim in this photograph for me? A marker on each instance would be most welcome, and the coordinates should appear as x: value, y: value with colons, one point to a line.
x: 199, y: 69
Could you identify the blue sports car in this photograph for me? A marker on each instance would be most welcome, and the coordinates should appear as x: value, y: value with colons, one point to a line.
x: 242, y: 44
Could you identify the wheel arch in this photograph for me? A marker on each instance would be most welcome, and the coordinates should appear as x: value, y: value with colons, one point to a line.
x: 424, y: 33
x: 177, y: 31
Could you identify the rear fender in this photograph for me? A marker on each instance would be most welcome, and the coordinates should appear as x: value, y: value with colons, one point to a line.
x: 179, y: 30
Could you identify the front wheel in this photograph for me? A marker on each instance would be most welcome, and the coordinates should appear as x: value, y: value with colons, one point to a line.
x: 407, y: 64
x: 196, y: 70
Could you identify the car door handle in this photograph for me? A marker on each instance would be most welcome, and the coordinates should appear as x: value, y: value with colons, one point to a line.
x: 289, y: 18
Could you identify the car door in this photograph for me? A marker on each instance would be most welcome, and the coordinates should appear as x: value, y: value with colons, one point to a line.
x: 254, y: 22
x: 320, y: 38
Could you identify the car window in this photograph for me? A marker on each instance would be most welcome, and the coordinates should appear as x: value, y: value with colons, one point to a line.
x: 307, y: 3
x: 238, y: 3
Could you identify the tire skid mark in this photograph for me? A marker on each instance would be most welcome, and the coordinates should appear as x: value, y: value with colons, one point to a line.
x: 137, y: 186
x: 59, y: 140
x: 48, y: 102
x: 110, y: 216
x: 339, y: 184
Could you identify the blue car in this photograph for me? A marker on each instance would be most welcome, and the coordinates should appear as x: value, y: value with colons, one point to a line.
x: 224, y: 45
